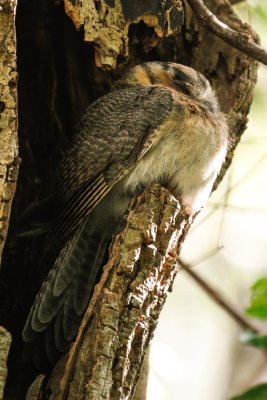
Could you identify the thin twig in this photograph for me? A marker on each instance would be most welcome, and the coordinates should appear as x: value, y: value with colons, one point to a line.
x: 239, y: 40
x: 220, y: 203
x: 206, y: 256
x: 218, y: 298
x: 233, y: 2
x: 224, y: 208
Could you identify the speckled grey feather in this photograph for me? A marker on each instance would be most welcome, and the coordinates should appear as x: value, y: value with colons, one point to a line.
x: 109, y: 132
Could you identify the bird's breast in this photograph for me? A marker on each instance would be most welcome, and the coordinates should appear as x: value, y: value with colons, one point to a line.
x: 187, y: 157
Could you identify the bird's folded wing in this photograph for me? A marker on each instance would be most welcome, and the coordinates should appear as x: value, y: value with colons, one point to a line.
x: 73, y: 212
x: 115, y: 132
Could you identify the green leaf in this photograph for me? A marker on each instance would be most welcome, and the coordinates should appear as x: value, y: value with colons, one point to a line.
x: 258, y: 307
x: 258, y: 392
x: 251, y: 339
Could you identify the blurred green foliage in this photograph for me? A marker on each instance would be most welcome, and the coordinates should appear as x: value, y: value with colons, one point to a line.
x: 258, y: 392
x: 260, y: 10
x: 258, y: 307
x: 251, y: 339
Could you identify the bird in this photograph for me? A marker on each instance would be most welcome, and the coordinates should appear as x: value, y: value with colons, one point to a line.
x: 160, y: 123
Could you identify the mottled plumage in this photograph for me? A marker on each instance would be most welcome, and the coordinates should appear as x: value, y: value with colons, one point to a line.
x: 160, y: 123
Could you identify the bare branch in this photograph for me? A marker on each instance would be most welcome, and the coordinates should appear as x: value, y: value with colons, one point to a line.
x: 239, y: 40
x: 218, y: 298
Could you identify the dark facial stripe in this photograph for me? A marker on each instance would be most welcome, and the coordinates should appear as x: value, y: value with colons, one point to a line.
x: 182, y: 87
x: 149, y: 73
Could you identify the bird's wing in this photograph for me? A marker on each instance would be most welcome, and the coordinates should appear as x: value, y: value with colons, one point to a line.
x: 111, y: 130
x: 78, y: 205
x: 115, y: 132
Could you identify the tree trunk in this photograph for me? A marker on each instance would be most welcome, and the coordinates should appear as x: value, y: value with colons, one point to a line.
x: 9, y: 161
x: 58, y: 79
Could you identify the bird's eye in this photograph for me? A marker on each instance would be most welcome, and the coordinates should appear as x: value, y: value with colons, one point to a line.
x: 182, y: 81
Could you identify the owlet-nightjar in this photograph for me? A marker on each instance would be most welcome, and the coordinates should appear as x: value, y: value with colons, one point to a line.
x: 160, y: 123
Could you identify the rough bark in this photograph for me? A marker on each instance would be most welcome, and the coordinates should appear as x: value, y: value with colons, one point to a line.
x: 105, y: 360
x: 106, y: 24
x: 5, y: 340
x: 9, y: 161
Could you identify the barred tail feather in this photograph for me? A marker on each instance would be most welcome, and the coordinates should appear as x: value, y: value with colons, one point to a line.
x: 63, y: 298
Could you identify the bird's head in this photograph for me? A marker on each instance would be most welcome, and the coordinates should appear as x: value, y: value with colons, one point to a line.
x: 180, y: 78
